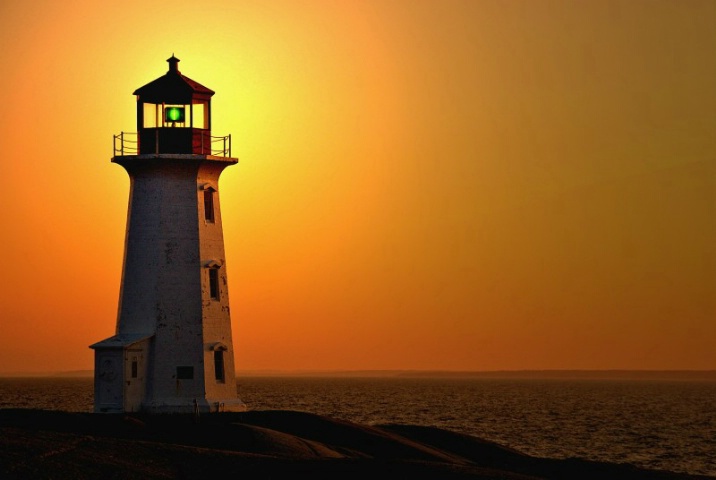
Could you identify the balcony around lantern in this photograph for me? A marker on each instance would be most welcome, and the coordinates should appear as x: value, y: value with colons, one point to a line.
x: 171, y: 140
x: 173, y: 128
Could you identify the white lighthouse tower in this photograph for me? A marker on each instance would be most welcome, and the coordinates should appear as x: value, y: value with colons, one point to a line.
x: 172, y: 350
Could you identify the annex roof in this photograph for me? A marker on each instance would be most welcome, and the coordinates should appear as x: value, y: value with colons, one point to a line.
x: 121, y: 341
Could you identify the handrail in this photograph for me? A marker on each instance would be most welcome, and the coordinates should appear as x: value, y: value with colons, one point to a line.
x: 131, y: 149
x: 224, y: 151
x: 127, y: 143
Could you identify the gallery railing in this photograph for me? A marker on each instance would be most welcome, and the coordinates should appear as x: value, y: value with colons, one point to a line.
x: 127, y: 143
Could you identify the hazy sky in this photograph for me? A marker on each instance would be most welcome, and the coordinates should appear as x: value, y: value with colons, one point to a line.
x: 439, y: 184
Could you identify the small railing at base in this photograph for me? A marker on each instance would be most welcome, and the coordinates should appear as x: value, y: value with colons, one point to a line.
x: 127, y: 143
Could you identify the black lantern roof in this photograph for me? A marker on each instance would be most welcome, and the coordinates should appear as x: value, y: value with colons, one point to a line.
x: 173, y: 87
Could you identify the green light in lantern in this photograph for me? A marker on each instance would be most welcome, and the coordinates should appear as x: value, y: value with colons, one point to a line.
x: 174, y: 114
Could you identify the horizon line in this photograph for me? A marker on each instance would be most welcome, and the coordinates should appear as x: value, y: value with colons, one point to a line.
x: 561, y: 372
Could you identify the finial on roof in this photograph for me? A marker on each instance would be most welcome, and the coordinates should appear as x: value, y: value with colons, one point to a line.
x: 173, y: 64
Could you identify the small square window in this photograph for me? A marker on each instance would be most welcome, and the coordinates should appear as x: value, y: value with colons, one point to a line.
x: 185, y: 373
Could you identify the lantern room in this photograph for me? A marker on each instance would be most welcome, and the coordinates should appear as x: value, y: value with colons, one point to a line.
x: 174, y: 115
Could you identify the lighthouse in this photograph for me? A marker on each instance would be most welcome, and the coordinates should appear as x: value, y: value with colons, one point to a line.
x: 172, y: 350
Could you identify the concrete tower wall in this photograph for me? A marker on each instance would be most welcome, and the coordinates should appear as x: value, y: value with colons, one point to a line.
x: 160, y: 279
x: 170, y: 249
x: 172, y: 349
x: 216, y: 314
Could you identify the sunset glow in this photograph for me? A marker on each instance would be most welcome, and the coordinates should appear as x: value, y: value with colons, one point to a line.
x: 422, y: 184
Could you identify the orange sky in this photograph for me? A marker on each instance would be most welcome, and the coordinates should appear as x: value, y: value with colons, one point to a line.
x: 443, y: 184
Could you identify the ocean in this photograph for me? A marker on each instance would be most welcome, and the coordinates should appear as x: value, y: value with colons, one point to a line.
x: 657, y: 424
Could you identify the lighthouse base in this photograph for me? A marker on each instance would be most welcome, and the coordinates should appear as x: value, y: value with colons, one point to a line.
x: 200, y: 405
x: 232, y: 405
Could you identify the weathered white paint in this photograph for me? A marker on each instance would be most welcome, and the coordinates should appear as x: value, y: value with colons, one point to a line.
x: 166, y: 315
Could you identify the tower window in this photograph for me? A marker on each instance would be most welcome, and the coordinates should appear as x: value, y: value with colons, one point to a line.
x: 214, y: 283
x: 134, y: 368
x: 219, y: 365
x: 185, y: 373
x: 209, y: 205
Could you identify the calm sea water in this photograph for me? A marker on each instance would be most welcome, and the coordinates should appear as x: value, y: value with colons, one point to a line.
x: 667, y: 425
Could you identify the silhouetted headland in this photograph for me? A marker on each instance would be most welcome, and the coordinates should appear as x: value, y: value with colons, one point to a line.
x: 276, y: 444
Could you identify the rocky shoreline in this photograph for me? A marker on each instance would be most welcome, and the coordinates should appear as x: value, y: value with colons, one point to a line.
x: 278, y: 444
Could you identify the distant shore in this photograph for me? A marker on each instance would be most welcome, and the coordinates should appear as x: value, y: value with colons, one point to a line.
x: 278, y: 444
x: 696, y: 375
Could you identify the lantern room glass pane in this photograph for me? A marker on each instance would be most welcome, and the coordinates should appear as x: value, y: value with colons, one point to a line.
x: 150, y: 115
x: 175, y: 115
x: 199, y: 118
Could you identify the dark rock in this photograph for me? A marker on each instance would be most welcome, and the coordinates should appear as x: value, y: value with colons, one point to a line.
x: 36, y: 444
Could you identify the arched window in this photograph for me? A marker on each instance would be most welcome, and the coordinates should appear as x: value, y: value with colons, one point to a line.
x: 208, y: 202
x: 213, y: 267
x: 219, y: 371
x: 219, y: 365
x: 214, y: 283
